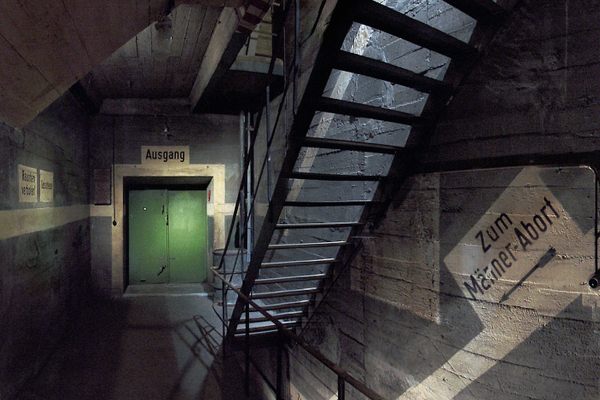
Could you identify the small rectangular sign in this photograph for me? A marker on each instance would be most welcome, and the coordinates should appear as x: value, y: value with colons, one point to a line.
x: 165, y: 155
x: 28, y: 184
x: 46, y: 186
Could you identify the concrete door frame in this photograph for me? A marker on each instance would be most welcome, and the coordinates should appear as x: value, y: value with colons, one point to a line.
x: 216, y: 208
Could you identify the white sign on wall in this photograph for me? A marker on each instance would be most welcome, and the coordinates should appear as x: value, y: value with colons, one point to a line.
x: 165, y: 155
x: 46, y: 186
x: 28, y: 184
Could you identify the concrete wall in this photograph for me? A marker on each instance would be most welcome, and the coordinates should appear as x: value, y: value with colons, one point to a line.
x: 214, y: 153
x: 45, y: 247
x: 533, y: 92
x: 404, y: 321
x: 402, y: 318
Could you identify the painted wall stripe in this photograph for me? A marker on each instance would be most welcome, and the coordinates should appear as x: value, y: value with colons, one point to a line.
x: 15, y: 223
x: 101, y: 211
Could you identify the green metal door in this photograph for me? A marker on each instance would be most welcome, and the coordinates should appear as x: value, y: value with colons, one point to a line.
x: 148, y: 261
x: 187, y: 235
x: 167, y: 236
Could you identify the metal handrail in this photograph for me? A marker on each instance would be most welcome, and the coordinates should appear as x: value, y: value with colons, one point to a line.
x: 251, y: 150
x: 254, y: 191
x: 343, y: 375
x: 265, y: 163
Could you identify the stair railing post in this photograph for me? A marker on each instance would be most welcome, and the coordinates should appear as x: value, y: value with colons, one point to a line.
x: 297, y: 29
x: 224, y: 307
x: 279, y: 385
x: 341, y: 388
x: 243, y: 188
x: 247, y: 352
x: 267, y: 136
x: 250, y: 192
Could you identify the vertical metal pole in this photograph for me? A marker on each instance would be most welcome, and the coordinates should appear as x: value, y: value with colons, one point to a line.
x: 242, y: 139
x: 296, y: 52
x: 224, y: 313
x: 247, y: 349
x: 341, y: 388
x: 242, y: 216
x: 279, y: 386
x: 267, y: 137
x: 285, y: 85
x: 250, y: 193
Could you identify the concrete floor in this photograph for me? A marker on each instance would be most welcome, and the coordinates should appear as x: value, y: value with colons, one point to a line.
x: 140, y: 347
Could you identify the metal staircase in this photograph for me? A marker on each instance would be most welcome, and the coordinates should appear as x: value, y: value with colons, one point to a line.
x: 288, y: 277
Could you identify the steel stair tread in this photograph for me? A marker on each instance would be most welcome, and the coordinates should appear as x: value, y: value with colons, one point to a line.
x: 284, y: 305
x: 284, y: 293
x: 331, y: 203
x: 293, y: 278
x: 327, y: 143
x: 294, y: 263
x: 310, y: 225
x: 266, y: 328
x: 359, y: 110
x: 366, y: 66
x: 285, y: 246
x: 280, y: 316
x: 385, y: 19
x: 334, y: 177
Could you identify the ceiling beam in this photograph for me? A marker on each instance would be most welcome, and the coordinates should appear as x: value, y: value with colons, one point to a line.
x: 228, y: 38
x: 220, y: 45
x: 46, y: 47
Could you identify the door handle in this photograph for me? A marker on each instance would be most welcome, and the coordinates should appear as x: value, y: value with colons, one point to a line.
x: 162, y: 269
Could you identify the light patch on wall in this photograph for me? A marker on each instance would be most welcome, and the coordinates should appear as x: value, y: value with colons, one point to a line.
x: 15, y: 223
x: 46, y: 186
x: 547, y: 291
x: 28, y: 184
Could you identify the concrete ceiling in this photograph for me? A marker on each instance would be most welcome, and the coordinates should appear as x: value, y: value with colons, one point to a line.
x: 47, y: 46
x: 162, y: 61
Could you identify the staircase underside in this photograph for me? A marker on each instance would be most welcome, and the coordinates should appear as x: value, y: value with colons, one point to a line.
x: 319, y: 208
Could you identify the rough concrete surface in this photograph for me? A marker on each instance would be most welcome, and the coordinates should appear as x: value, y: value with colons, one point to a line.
x: 45, y: 270
x: 402, y: 319
x: 154, y: 347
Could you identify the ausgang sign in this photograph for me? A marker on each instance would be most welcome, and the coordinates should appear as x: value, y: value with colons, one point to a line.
x: 165, y: 155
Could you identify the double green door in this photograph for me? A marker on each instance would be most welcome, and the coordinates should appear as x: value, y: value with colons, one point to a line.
x: 167, y: 236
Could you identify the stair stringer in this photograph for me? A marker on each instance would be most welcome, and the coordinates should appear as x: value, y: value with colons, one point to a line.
x: 403, y: 164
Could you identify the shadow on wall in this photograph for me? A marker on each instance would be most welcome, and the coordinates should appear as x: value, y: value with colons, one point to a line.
x: 395, y: 318
x: 389, y: 348
x: 43, y: 282
x: 546, y: 364
x: 401, y: 320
